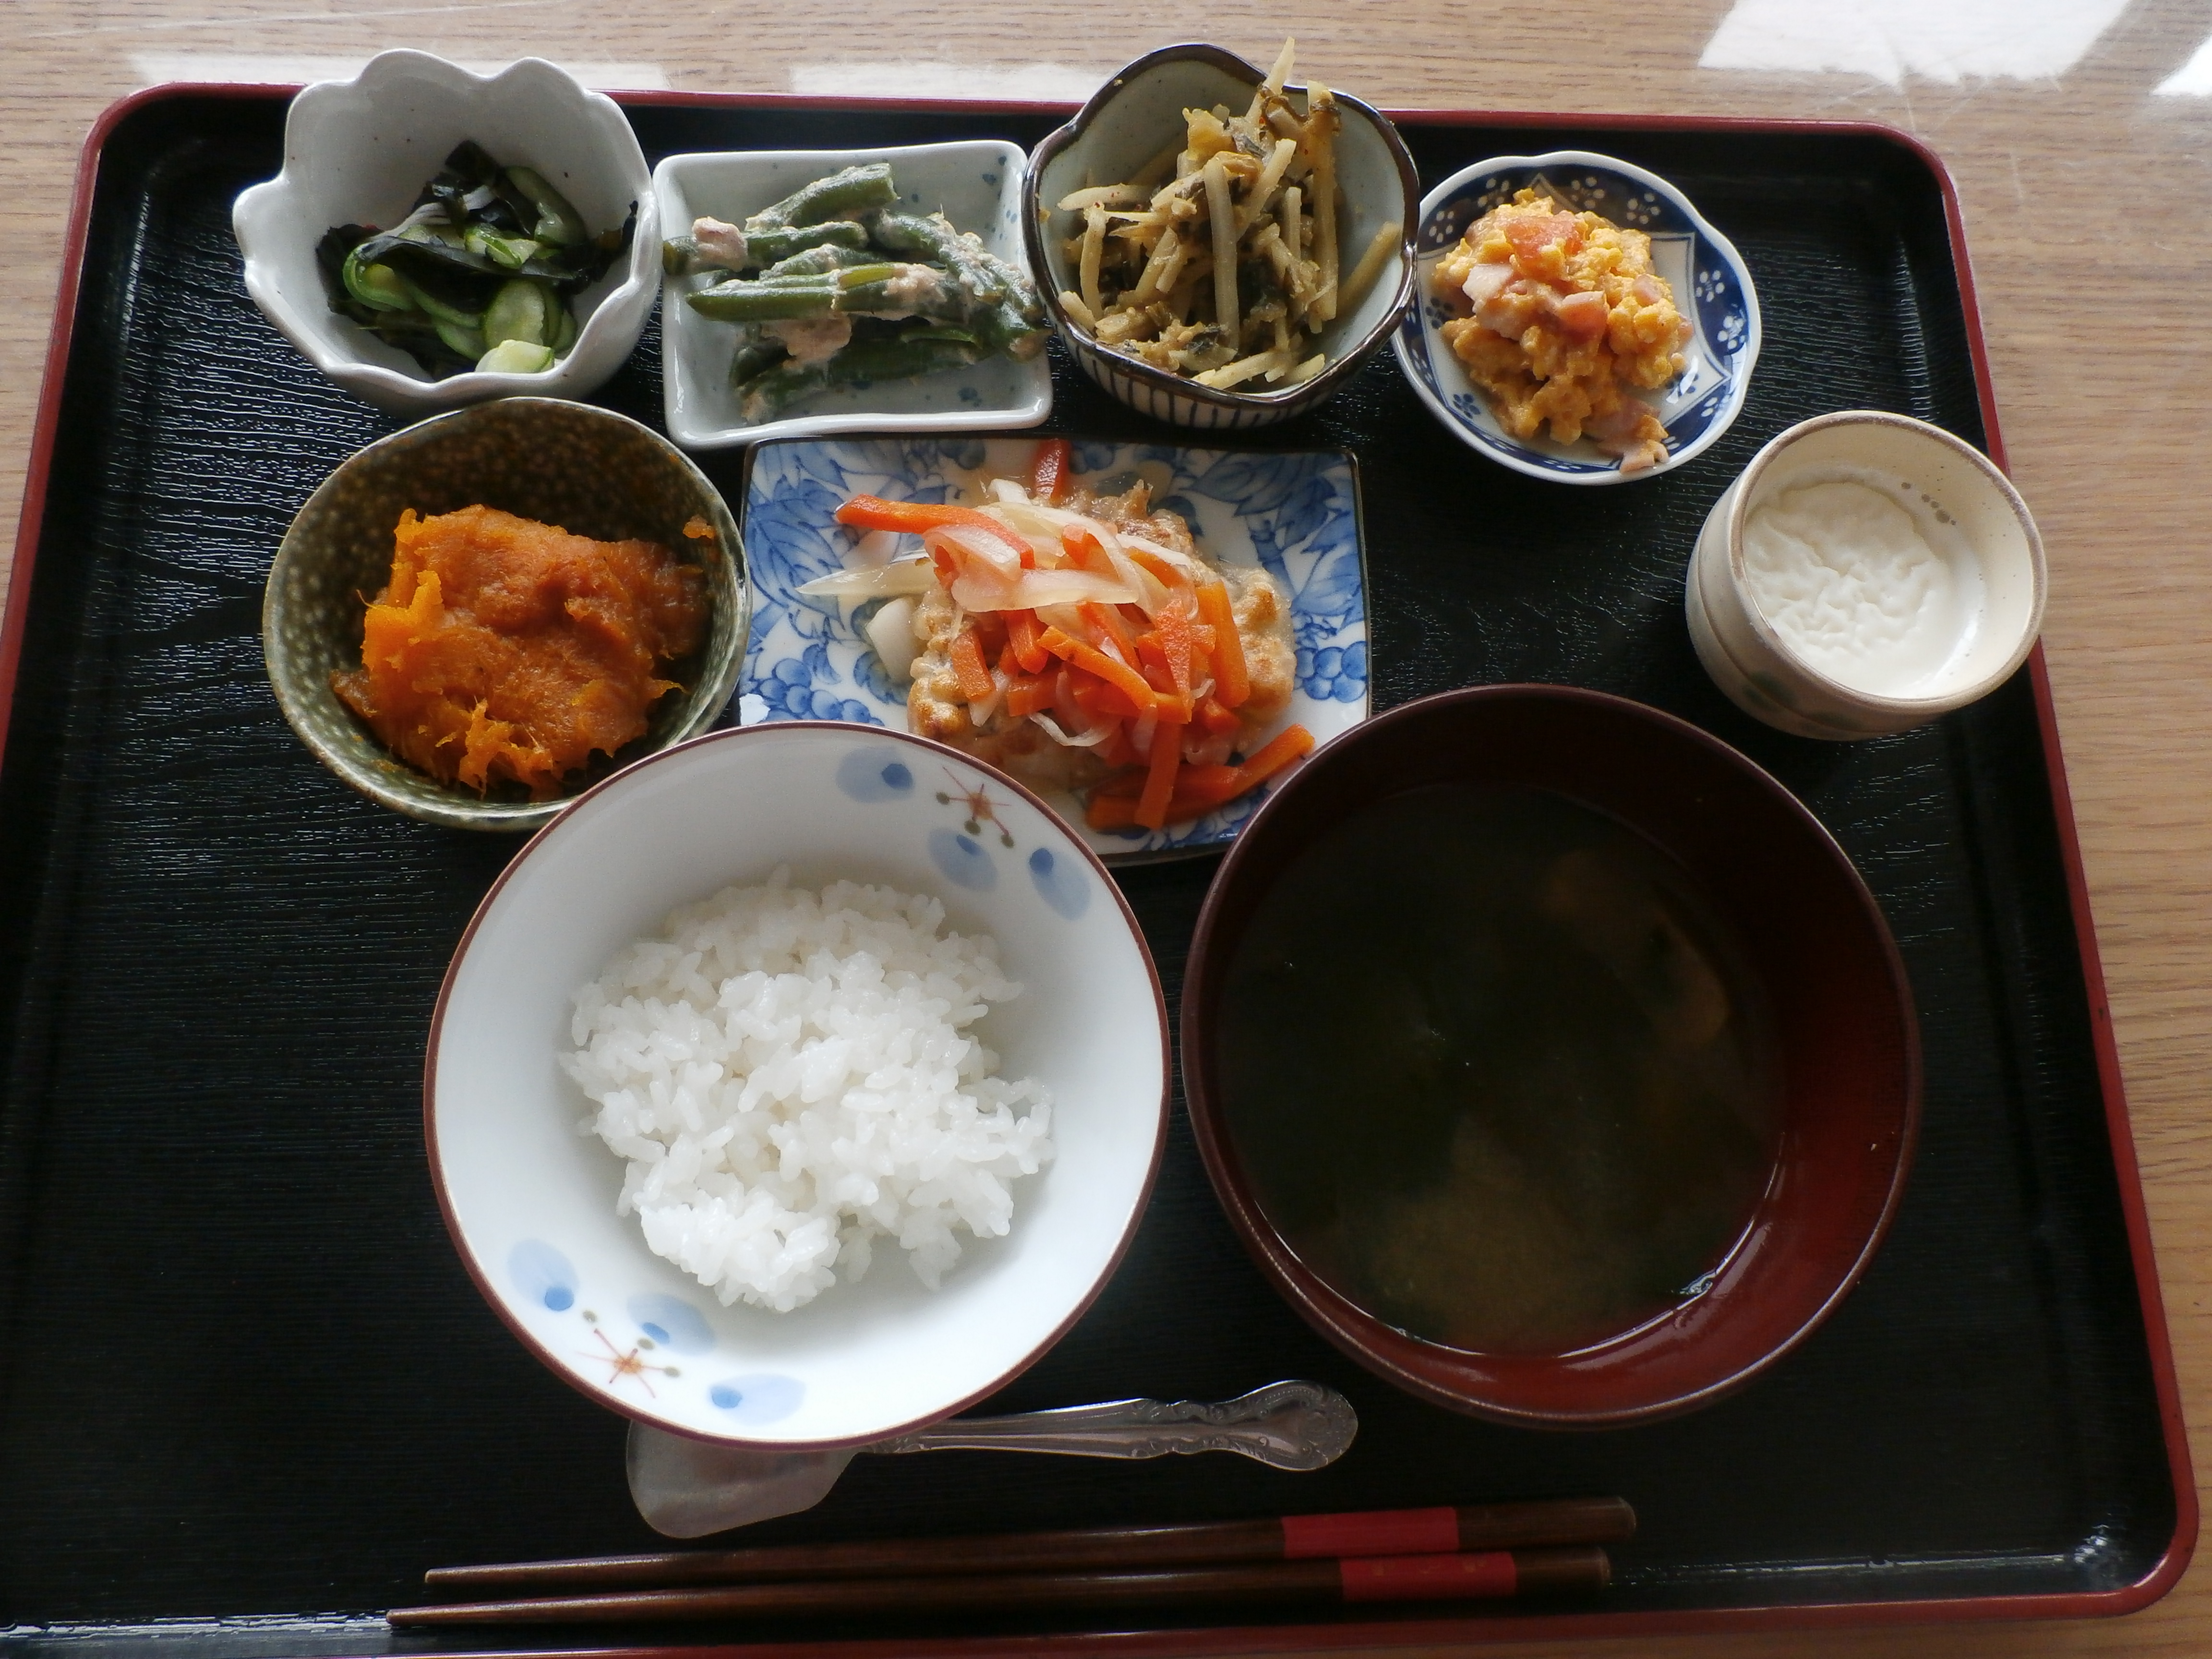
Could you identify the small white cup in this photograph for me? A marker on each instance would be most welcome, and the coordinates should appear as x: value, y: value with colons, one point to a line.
x: 1938, y: 480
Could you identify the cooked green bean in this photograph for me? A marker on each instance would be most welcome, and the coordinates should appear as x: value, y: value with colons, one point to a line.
x: 840, y: 196
x: 922, y: 352
x: 840, y: 289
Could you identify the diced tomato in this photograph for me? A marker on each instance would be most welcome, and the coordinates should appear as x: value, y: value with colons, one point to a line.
x: 1542, y: 242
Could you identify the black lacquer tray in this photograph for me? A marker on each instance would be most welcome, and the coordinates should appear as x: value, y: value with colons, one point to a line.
x: 247, y: 1392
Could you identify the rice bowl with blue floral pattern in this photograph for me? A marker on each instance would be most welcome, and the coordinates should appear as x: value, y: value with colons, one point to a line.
x: 1710, y: 284
x: 1293, y: 514
x: 532, y: 1204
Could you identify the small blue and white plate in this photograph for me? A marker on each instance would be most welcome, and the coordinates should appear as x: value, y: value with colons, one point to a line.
x: 1698, y: 263
x: 1295, y: 513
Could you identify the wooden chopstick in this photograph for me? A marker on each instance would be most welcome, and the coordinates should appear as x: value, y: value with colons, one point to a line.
x: 1485, y: 1574
x: 1296, y: 1537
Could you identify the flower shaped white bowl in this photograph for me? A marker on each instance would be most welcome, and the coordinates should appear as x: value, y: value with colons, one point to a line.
x: 531, y: 1202
x: 358, y: 152
x: 975, y: 183
x: 1122, y: 127
x: 1708, y: 276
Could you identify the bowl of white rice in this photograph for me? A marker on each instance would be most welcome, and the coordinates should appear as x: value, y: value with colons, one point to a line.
x: 798, y: 1086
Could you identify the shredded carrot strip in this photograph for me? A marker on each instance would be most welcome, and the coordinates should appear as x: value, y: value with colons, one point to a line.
x: 1049, y: 473
x: 1126, y: 679
x: 1101, y: 700
x: 1027, y: 694
x: 1108, y: 623
x: 873, y: 512
x: 1232, y: 685
x: 1160, y: 776
x: 1021, y: 640
x: 1115, y: 805
x: 1172, y: 628
x: 976, y: 685
x: 1214, y: 717
x: 1083, y: 551
x: 1171, y: 574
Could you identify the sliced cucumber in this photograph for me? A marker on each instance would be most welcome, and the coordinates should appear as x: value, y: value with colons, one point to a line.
x: 508, y: 252
x: 567, y: 336
x: 558, y: 221
x: 521, y: 310
x: 516, y: 357
x: 460, y: 339
x: 442, y: 306
x: 378, y: 287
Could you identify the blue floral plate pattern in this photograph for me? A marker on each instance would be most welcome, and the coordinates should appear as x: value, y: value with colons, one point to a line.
x: 1700, y: 265
x: 1296, y: 513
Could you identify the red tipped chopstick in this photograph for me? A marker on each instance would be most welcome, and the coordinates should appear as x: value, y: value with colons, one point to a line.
x: 1460, y: 1576
x: 1441, y: 1530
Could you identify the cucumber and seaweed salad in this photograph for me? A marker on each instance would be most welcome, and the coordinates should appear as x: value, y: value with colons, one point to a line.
x: 479, y: 274
x: 832, y: 286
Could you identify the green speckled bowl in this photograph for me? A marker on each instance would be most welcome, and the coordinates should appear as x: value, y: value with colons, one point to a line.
x: 591, y: 471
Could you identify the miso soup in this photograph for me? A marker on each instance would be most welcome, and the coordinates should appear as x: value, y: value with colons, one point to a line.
x: 1497, y: 1070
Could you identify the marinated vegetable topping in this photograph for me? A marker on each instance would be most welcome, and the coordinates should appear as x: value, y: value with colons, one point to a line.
x: 1219, y: 260
x: 832, y: 286
x: 480, y: 275
x: 1083, y: 640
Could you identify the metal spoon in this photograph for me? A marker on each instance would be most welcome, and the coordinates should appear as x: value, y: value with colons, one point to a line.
x: 687, y: 1488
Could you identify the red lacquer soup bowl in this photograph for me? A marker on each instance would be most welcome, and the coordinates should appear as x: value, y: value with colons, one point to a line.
x: 1838, y: 1071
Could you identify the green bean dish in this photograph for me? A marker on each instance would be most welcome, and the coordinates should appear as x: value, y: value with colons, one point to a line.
x: 480, y: 275
x: 833, y: 286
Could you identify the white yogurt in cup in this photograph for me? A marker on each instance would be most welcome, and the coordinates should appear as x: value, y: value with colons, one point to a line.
x: 1867, y: 572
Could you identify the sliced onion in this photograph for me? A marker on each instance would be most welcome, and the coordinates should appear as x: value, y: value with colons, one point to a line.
x: 1051, y: 727
x: 1006, y: 490
x: 979, y: 546
x: 882, y: 581
x: 878, y: 546
x: 1040, y: 589
x: 979, y: 588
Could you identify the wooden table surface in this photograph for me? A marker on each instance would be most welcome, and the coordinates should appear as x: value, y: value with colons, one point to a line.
x: 2076, y: 132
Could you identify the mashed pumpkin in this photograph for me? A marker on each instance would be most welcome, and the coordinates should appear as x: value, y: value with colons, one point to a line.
x: 504, y: 650
x: 1560, y: 312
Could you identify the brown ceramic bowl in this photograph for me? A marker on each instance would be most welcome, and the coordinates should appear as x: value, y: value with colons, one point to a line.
x: 1846, y: 1040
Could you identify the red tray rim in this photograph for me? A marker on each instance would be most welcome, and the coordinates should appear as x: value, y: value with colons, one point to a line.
x: 1262, y: 1639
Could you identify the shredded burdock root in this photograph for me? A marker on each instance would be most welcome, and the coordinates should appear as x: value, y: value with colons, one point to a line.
x: 1219, y: 260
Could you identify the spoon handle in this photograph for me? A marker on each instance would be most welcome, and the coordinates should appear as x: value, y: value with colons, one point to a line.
x: 1288, y: 1425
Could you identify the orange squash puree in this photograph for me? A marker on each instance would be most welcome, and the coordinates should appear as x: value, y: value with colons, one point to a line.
x: 504, y: 650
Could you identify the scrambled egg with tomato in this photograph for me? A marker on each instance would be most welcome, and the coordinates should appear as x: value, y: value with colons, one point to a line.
x: 1561, y: 313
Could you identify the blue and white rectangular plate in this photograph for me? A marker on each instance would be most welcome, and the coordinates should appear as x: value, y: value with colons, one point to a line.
x: 1296, y: 513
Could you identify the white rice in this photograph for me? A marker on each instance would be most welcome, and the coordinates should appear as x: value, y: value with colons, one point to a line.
x: 791, y: 1075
